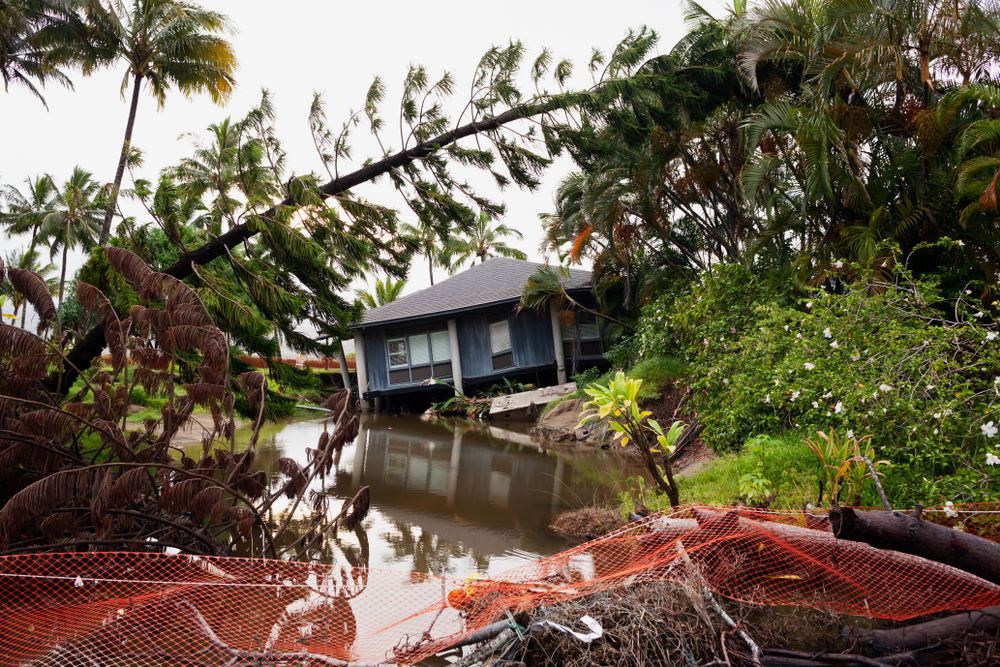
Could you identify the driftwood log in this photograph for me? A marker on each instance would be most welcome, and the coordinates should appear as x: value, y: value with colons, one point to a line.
x: 896, y: 531
x: 922, y: 635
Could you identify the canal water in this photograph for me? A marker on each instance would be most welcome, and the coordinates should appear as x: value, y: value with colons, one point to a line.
x: 447, y: 497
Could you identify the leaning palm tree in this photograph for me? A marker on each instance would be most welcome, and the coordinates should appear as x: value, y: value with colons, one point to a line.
x: 482, y: 241
x: 75, y: 224
x: 166, y: 43
x: 385, y: 292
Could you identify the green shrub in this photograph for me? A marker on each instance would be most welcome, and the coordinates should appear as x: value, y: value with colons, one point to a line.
x: 889, y: 359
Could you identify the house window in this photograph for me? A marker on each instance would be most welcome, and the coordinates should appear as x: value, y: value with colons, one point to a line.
x: 503, y: 356
x: 583, y: 337
x: 416, y: 354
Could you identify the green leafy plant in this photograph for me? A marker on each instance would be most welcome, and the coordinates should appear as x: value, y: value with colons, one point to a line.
x: 844, y: 467
x: 618, y: 403
x: 754, y: 485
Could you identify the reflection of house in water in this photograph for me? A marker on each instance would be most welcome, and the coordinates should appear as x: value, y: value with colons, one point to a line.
x: 461, y: 486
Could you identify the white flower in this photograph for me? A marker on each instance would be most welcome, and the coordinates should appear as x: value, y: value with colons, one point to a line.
x: 810, y: 366
x: 828, y: 394
x: 961, y: 244
x: 835, y: 345
x: 996, y: 380
x: 786, y: 327
x: 827, y: 333
x: 949, y: 510
x: 937, y: 415
x: 725, y: 380
x: 777, y: 382
x: 798, y: 335
x: 854, y: 357
x: 815, y: 404
x: 992, y: 459
x: 988, y: 429
x: 767, y: 399
x: 991, y: 335
x: 795, y: 395
x: 839, y: 407
x: 968, y: 291
x: 884, y: 388
x: 850, y: 433
x: 838, y: 264
x: 947, y: 412
x: 809, y: 304
x: 930, y: 386
x: 979, y: 314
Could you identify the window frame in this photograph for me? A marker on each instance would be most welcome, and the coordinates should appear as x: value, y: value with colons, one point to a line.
x: 496, y: 318
x: 433, y: 365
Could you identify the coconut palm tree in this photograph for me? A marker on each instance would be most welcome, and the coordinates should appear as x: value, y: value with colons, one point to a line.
x: 37, y: 37
x: 75, y: 224
x: 428, y: 239
x: 27, y: 210
x: 482, y: 241
x: 385, y: 292
x: 165, y: 43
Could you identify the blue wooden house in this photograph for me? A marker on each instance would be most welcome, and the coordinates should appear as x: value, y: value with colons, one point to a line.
x: 464, y: 331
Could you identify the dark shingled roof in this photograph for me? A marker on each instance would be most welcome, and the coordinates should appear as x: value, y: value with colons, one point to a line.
x: 497, y: 280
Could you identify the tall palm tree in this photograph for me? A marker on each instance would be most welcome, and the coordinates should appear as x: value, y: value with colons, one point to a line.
x: 214, y: 168
x: 28, y: 260
x: 27, y: 210
x: 482, y: 241
x: 75, y: 224
x: 429, y: 240
x: 385, y: 292
x: 166, y: 43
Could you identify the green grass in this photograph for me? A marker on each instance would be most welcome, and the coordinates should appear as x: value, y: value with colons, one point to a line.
x: 790, y: 468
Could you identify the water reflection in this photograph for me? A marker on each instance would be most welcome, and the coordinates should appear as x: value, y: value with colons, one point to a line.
x: 451, y: 496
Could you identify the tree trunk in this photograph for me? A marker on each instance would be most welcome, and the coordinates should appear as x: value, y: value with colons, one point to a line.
x: 62, y: 282
x: 430, y: 265
x: 909, y: 534
x: 31, y: 257
x: 113, y: 198
x: 922, y: 635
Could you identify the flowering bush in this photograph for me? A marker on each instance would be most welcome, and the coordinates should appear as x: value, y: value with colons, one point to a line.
x: 890, y: 359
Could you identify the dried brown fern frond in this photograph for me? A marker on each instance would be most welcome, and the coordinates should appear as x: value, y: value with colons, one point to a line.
x: 188, y: 314
x: 252, y: 485
x: 99, y: 501
x: 130, y: 487
x: 150, y: 358
x: 59, y: 526
x: 204, y: 394
x: 32, y: 286
x: 179, y: 496
x: 203, y: 503
x: 82, y: 410
x: 296, y: 476
x: 112, y: 436
x: 244, y: 517
x: 209, y: 375
x: 15, y: 342
x: 45, y: 422
x: 356, y: 509
x: 129, y: 265
x: 39, y: 499
x: 33, y: 367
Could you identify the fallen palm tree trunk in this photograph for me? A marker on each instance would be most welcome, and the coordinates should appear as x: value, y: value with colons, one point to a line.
x: 923, y: 635
x: 909, y: 533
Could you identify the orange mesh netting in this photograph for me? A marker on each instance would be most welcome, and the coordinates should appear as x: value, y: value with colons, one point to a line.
x: 157, y: 609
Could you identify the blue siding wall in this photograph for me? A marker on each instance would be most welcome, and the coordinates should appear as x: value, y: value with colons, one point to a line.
x: 474, y: 345
x: 378, y: 359
x: 531, y: 338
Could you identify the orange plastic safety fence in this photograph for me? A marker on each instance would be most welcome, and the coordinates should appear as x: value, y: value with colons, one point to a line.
x: 156, y: 609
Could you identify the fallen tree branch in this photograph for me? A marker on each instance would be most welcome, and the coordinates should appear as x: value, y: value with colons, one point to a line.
x: 922, y: 635
x: 896, y: 531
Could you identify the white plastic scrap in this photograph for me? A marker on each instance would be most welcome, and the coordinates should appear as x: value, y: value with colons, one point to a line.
x: 595, y: 629
x: 79, y: 582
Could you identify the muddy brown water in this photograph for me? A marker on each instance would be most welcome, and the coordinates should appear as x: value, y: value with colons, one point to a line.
x: 451, y: 496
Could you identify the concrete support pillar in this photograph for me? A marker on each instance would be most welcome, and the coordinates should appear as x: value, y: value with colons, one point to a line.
x: 456, y: 358
x: 362, y: 367
x: 456, y: 460
x: 558, y: 342
x: 360, y: 450
x: 345, y: 374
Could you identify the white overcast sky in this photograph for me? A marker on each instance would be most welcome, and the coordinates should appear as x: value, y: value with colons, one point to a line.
x: 296, y: 47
